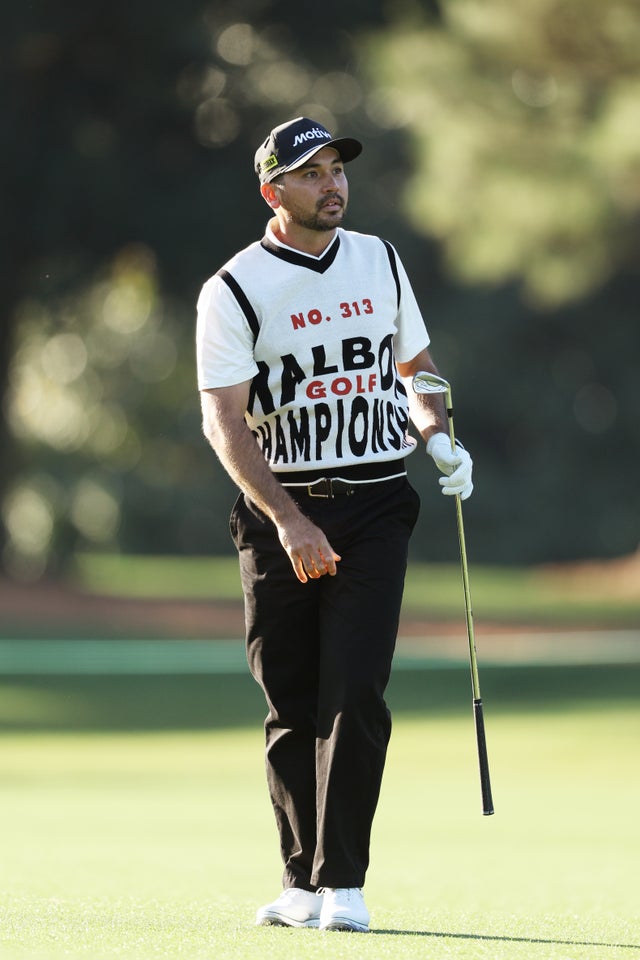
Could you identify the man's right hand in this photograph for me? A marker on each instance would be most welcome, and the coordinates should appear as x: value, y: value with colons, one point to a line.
x: 309, y: 551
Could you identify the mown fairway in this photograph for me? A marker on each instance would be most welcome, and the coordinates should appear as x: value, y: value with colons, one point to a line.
x: 138, y: 825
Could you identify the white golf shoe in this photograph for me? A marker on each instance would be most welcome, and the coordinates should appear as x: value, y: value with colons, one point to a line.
x: 293, y: 908
x: 343, y: 908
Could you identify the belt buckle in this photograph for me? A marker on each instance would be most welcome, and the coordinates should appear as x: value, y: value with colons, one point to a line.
x: 328, y: 485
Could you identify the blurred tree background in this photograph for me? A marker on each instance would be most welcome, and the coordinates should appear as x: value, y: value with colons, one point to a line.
x: 502, y: 157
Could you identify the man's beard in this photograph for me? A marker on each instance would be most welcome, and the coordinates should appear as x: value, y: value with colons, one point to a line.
x: 319, y: 222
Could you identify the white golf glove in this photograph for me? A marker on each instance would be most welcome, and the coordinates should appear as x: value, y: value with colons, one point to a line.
x: 456, y: 466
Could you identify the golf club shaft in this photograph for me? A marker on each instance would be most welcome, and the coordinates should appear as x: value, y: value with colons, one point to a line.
x: 483, y: 759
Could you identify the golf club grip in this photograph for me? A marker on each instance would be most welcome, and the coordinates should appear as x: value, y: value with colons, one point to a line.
x: 485, y: 782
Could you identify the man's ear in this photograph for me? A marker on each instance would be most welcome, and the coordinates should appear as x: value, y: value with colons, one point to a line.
x: 270, y: 195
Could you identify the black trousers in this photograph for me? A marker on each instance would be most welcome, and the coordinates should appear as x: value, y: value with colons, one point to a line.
x: 322, y: 653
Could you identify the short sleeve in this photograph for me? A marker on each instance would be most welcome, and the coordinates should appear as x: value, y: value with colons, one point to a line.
x: 224, y: 341
x: 412, y: 335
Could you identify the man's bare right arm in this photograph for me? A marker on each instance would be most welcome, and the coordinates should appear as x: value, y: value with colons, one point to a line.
x: 224, y: 425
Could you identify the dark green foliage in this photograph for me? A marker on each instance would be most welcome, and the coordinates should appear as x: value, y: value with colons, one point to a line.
x: 110, y: 170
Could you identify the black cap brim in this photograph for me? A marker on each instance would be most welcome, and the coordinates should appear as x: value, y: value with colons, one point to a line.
x: 347, y: 147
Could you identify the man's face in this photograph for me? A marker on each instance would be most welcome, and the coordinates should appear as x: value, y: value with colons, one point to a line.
x: 315, y: 195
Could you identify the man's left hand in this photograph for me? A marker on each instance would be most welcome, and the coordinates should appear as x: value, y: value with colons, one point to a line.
x: 457, y: 466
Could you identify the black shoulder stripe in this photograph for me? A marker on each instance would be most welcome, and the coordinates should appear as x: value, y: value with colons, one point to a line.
x: 243, y: 300
x: 394, y: 267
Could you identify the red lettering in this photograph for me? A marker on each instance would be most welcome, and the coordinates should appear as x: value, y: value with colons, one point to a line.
x: 370, y: 385
x: 348, y: 310
x: 341, y: 386
x: 316, y: 390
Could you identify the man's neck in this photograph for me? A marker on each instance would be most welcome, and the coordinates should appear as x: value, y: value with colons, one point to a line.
x: 313, y: 242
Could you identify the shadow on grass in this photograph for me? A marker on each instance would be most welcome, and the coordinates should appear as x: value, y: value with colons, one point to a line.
x: 488, y: 937
x: 210, y: 701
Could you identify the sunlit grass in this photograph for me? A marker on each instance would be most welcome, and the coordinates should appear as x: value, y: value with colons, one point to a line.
x: 162, y: 843
x: 498, y: 593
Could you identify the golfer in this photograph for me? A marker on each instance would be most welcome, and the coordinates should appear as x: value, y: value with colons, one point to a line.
x: 307, y: 341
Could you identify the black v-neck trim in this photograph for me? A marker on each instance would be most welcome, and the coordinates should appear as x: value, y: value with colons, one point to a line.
x: 321, y: 265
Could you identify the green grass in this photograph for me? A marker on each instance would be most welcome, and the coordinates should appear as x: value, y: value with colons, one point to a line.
x: 158, y: 577
x: 513, y: 594
x: 508, y: 594
x: 144, y: 832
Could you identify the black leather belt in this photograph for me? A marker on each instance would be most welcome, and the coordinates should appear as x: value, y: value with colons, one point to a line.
x: 329, y: 486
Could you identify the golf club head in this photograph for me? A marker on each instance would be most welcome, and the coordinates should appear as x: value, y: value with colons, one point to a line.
x: 424, y: 382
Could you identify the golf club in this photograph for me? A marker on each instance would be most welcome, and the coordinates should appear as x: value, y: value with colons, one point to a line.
x: 424, y: 382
